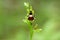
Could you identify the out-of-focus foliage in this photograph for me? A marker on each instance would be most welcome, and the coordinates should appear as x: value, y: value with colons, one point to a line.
x: 47, y: 14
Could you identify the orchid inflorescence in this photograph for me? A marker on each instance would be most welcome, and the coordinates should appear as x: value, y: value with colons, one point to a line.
x: 29, y: 18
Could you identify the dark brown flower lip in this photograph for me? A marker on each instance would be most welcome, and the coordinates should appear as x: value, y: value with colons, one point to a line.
x: 31, y: 18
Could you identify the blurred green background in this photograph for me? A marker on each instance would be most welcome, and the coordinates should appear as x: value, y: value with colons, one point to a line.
x: 47, y: 14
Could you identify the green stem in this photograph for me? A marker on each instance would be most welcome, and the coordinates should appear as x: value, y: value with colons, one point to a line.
x: 31, y: 30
